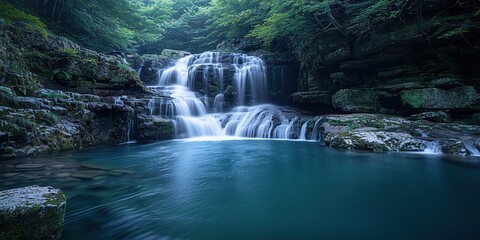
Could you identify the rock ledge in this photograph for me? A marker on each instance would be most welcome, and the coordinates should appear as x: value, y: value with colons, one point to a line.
x: 32, y: 213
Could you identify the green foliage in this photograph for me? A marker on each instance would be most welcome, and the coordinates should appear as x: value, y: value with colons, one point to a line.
x: 414, y: 100
x: 69, y: 52
x: 14, y: 16
x: 101, y: 25
x: 48, y: 118
x: 119, y: 80
x: 89, y: 66
x: 7, y: 98
x: 21, y: 121
x: 459, y: 31
x: 124, y: 66
x: 61, y: 75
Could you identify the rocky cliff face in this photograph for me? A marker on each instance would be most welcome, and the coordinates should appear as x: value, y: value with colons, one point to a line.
x: 56, y: 95
x: 408, y: 57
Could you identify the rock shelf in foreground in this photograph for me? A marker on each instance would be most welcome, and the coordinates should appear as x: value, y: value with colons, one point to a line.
x: 31, y: 213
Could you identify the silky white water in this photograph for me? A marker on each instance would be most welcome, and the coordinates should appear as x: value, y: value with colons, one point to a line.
x: 177, y: 100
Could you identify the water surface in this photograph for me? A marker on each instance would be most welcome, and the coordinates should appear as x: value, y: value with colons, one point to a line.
x: 257, y: 189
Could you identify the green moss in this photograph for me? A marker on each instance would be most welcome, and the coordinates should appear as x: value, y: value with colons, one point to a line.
x: 38, y: 62
x: 89, y: 66
x: 14, y: 16
x: 35, y: 223
x: 61, y: 75
x: 21, y: 121
x: 70, y: 52
x: 412, y: 99
x: 48, y: 118
x: 124, y: 66
x: 7, y: 99
x: 119, y: 80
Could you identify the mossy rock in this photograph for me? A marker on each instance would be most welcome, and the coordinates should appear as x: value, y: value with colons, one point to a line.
x: 32, y: 213
x: 435, y: 98
x: 356, y: 100
x: 89, y: 67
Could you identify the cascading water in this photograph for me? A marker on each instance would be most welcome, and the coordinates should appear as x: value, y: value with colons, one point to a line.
x: 472, y: 150
x: 433, y: 148
x: 303, y: 131
x: 195, y: 82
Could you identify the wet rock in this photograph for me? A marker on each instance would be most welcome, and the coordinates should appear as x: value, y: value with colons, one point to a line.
x: 454, y: 147
x: 356, y: 100
x: 151, y: 64
x: 174, y: 53
x: 32, y: 213
x: 149, y: 128
x: 433, y: 116
x: 378, y: 141
x: 7, y: 153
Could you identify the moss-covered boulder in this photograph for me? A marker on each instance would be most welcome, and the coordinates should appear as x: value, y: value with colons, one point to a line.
x: 174, y: 53
x: 378, y: 141
x: 151, y: 128
x: 436, y: 98
x: 32, y: 213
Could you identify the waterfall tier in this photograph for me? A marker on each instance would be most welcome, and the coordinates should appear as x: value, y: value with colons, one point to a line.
x: 213, y: 73
x: 195, y: 92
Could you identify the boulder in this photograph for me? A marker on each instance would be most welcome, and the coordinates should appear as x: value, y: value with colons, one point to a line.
x: 150, y: 128
x: 151, y: 65
x: 378, y: 141
x: 174, y: 53
x: 32, y: 213
x: 439, y: 116
x: 435, y: 98
x: 356, y: 100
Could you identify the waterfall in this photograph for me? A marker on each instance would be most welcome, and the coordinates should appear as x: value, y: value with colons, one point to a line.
x: 263, y: 121
x: 303, y: 131
x: 218, y: 103
x: 315, y: 135
x: 178, y: 74
x: 187, y: 89
x: 471, y: 149
x: 128, y: 134
x: 250, y: 78
x: 433, y: 148
x: 118, y: 102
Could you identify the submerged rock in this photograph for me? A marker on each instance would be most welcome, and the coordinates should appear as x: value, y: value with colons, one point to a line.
x: 32, y: 213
